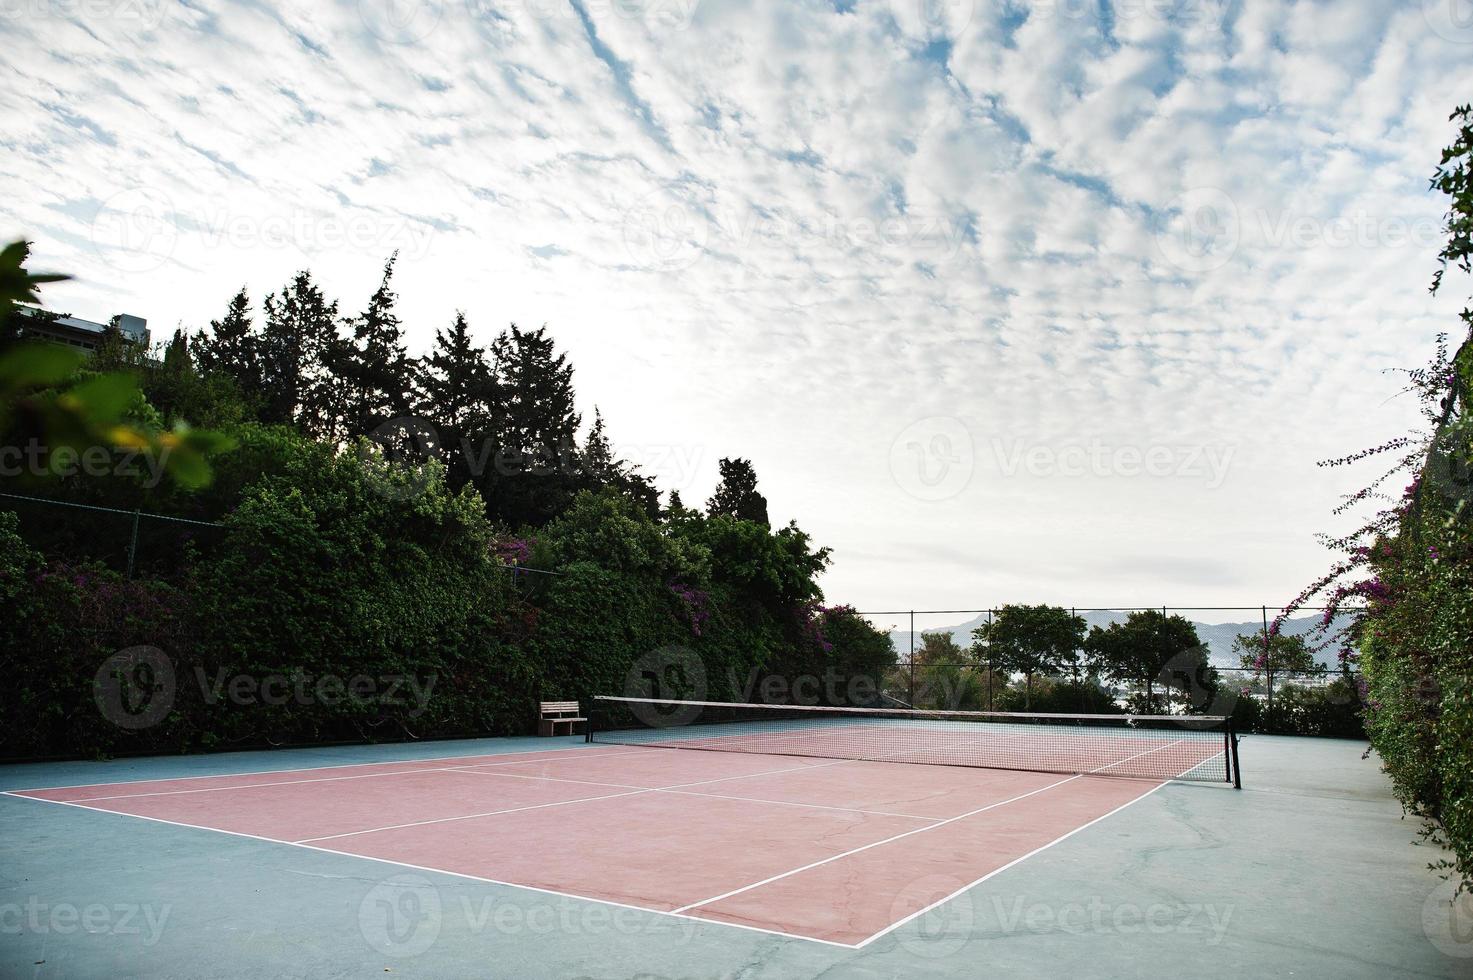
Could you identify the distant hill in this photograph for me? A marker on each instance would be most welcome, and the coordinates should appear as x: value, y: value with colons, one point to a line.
x: 1218, y: 636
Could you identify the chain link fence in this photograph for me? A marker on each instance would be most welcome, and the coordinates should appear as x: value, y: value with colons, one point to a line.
x: 1325, y: 700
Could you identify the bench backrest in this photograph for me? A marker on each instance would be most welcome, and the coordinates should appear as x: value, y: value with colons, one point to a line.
x: 558, y: 707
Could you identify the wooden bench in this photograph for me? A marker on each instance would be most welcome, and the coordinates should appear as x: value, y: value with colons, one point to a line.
x: 555, y: 713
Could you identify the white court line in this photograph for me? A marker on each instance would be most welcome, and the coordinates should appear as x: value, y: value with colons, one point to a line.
x: 887, y: 840
x: 469, y: 816
x: 697, y: 920
x: 715, y: 796
x: 677, y: 913
x: 347, y: 765
x: 583, y: 799
x: 865, y: 847
x: 997, y: 871
x: 811, y: 806
x: 340, y: 765
x: 279, y: 782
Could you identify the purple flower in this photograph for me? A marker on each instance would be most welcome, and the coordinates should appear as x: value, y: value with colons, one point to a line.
x: 513, y: 551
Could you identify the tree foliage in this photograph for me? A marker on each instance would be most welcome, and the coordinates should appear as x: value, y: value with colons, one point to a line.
x: 1031, y: 640
x: 1405, y: 575
x: 736, y: 495
x: 1149, y: 649
x: 327, y: 556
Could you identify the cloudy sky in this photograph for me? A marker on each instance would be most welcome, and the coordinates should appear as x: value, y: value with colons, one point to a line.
x: 1006, y: 301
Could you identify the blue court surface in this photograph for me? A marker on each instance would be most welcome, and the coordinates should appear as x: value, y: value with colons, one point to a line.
x: 1309, y: 871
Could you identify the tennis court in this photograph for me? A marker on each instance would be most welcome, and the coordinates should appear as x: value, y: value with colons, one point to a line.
x: 811, y: 824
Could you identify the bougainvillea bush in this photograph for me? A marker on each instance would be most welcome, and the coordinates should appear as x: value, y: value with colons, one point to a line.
x: 1407, y: 573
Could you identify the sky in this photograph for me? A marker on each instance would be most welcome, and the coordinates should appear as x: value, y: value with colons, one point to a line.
x: 1006, y: 302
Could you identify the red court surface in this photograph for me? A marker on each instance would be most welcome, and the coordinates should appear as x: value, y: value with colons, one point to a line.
x: 835, y: 851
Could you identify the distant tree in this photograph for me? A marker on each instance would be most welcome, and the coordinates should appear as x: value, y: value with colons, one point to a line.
x: 939, y: 648
x: 1031, y: 640
x: 374, y: 366
x: 300, y: 353
x: 458, y: 393
x: 676, y: 507
x: 599, y: 463
x: 230, y: 347
x: 173, y: 385
x: 736, y: 495
x: 1272, y: 653
x: 532, y: 475
x: 601, y: 467
x: 1150, y: 648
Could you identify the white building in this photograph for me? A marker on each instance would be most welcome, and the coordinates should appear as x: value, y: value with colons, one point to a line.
x: 76, y: 332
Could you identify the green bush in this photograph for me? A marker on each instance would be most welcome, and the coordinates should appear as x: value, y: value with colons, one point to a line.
x: 1332, y: 711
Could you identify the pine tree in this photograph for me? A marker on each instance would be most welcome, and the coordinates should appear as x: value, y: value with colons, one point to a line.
x: 173, y: 385
x: 736, y: 495
x: 374, y: 367
x: 458, y: 394
x: 600, y: 467
x: 301, y: 352
x: 230, y: 347
x: 533, y: 472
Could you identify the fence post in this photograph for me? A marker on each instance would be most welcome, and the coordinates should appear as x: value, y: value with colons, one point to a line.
x: 912, y: 694
x: 989, y: 663
x: 133, y: 544
x: 1268, y: 668
x: 1078, y: 684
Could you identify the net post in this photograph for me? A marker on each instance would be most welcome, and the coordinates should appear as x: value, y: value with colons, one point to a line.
x: 1232, y: 735
x: 588, y: 725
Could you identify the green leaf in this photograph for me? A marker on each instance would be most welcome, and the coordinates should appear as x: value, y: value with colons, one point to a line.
x: 105, y: 398
x: 38, y: 365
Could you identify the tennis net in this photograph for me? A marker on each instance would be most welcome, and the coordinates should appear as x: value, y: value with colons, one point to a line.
x: 1158, y: 747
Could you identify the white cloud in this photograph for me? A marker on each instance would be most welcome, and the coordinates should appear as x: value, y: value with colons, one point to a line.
x: 768, y: 228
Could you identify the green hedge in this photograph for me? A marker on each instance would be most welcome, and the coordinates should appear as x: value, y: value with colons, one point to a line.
x: 334, y: 571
